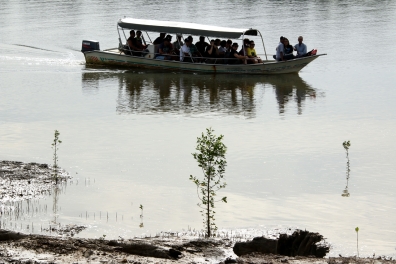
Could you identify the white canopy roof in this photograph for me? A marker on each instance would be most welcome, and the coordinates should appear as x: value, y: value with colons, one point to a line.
x: 184, y: 28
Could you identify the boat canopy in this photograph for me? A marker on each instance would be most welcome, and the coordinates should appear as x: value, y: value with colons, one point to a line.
x: 174, y: 27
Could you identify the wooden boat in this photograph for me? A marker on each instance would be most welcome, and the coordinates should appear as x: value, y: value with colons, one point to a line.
x: 118, y: 56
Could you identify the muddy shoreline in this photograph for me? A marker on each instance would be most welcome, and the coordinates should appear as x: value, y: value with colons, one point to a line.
x: 21, y: 248
x: 24, y: 181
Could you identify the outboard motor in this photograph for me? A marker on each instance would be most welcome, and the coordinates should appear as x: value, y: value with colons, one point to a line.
x: 89, y: 45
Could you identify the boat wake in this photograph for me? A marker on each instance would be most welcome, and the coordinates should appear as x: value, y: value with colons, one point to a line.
x: 31, y: 47
x: 69, y: 60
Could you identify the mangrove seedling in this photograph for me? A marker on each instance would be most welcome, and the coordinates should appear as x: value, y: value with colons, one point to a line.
x: 55, y: 146
x: 357, y: 240
x: 210, y: 156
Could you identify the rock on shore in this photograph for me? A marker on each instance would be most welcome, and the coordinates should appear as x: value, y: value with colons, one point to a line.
x: 300, y: 243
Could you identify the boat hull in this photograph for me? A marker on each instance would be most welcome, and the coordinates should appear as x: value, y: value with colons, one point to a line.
x: 273, y: 67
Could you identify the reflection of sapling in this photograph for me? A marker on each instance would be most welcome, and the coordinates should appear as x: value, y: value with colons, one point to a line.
x: 346, y: 145
x: 141, y: 212
x: 55, y: 145
x: 211, y: 159
x: 141, y: 216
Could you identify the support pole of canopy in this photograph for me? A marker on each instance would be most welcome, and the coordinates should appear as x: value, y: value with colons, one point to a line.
x: 148, y: 37
x: 127, y: 44
x: 126, y: 39
x: 263, y: 45
x: 243, y: 44
x: 120, y: 45
x: 243, y: 47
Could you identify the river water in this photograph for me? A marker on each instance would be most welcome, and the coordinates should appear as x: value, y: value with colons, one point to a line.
x: 128, y: 135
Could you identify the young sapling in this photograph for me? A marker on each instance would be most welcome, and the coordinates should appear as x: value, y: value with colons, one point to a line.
x: 55, y: 146
x: 357, y: 240
x: 210, y: 156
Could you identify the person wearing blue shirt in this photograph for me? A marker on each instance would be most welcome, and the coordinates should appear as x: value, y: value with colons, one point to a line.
x: 301, y: 48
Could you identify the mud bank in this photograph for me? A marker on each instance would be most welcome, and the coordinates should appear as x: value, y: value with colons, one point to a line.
x: 21, y: 248
x: 23, y: 181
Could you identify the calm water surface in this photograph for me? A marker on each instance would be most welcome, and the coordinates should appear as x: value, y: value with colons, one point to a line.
x: 128, y: 135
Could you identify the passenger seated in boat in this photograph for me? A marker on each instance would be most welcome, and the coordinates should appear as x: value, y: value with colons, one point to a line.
x: 197, y: 56
x: 246, y: 44
x: 251, y: 53
x: 222, y: 52
x: 185, y: 54
x: 217, y: 43
x: 201, y: 45
x: 169, y: 37
x: 288, y: 50
x: 280, y: 50
x: 165, y: 49
x: 235, y: 58
x: 134, y: 45
x: 139, y: 37
x: 178, y: 43
x: 301, y: 48
x: 212, y: 52
x: 229, y: 44
x: 160, y: 39
x: 222, y: 49
x: 228, y: 48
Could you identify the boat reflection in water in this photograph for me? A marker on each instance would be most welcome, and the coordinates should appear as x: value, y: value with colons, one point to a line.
x: 192, y: 94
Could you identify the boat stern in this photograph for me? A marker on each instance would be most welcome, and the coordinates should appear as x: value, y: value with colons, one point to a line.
x: 89, y: 45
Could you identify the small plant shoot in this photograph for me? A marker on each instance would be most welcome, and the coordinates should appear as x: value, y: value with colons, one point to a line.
x: 55, y: 146
x: 357, y: 240
x: 210, y: 156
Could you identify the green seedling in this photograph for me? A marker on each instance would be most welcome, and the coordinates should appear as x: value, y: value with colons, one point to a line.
x: 357, y: 240
x: 210, y: 156
x: 55, y: 146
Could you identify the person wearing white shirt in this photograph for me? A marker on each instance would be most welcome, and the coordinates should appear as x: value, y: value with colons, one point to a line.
x: 301, y: 48
x: 280, y: 50
x: 185, y: 54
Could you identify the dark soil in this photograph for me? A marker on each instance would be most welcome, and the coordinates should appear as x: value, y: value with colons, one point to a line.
x: 20, y: 248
